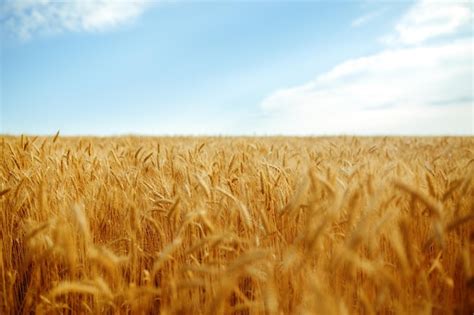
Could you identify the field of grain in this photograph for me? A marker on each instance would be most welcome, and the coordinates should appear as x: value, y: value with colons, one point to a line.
x: 278, y: 225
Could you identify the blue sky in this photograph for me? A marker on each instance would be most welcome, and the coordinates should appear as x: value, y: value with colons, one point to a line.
x: 233, y: 67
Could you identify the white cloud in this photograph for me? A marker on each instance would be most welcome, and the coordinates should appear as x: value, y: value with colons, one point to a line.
x: 27, y: 18
x: 421, y: 89
x: 364, y: 19
x: 430, y: 19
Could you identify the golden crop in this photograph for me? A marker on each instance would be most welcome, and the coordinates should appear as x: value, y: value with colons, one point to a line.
x: 278, y: 225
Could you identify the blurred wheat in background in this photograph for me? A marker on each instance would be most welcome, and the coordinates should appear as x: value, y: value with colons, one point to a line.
x: 341, y: 225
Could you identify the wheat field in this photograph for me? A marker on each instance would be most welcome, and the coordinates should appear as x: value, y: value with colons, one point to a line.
x: 223, y: 225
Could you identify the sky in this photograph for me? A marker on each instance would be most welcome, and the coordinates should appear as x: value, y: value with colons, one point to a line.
x: 236, y: 67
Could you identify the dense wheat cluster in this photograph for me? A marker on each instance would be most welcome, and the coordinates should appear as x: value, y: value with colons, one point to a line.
x: 137, y: 225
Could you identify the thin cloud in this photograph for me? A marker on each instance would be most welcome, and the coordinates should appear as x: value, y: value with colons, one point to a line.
x: 364, y: 19
x: 428, y: 19
x: 28, y: 18
x: 420, y: 89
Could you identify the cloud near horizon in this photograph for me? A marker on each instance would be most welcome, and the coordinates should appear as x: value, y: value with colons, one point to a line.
x: 28, y: 18
x: 406, y: 89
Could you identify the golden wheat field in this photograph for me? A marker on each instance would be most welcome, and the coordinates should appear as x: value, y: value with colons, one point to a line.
x: 222, y: 225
